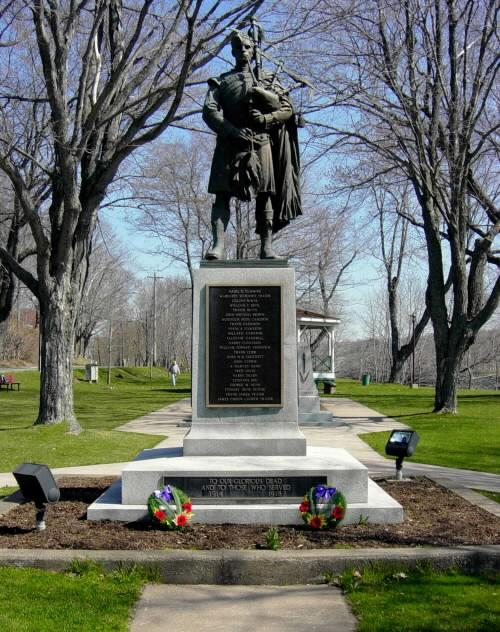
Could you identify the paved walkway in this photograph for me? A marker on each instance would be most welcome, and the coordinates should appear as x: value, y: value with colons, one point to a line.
x: 243, y: 608
x: 173, y: 421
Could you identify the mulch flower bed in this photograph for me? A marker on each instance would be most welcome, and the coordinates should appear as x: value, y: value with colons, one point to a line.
x: 433, y: 516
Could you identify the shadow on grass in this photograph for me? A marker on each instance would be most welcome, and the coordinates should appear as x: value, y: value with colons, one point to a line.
x: 492, y: 397
x: 429, y: 412
x: 368, y: 397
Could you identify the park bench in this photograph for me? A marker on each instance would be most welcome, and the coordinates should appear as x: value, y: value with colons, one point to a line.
x: 9, y: 382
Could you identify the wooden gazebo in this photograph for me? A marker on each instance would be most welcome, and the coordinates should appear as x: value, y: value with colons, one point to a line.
x: 319, y: 330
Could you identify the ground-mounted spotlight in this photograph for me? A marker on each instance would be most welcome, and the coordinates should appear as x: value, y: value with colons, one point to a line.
x: 37, y: 485
x: 402, y: 443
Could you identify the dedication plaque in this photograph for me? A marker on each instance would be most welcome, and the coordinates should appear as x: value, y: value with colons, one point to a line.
x: 227, y: 489
x: 244, y: 346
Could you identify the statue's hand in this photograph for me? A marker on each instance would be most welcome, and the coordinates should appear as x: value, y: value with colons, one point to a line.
x: 242, y: 133
x: 258, y: 119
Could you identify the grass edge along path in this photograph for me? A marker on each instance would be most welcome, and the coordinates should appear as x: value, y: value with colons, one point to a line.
x: 7, y: 491
x: 82, y: 599
x: 99, y: 409
x: 468, y: 440
x: 491, y: 495
x: 422, y: 599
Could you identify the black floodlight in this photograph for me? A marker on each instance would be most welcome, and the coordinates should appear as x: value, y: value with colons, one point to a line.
x: 37, y: 484
x: 401, y: 443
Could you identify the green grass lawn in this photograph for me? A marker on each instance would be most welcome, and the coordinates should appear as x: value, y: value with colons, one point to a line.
x: 7, y: 491
x: 86, y: 600
x: 469, y: 440
x: 98, y: 408
x: 423, y: 601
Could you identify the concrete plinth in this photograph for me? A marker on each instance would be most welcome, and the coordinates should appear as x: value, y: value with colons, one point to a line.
x: 126, y: 500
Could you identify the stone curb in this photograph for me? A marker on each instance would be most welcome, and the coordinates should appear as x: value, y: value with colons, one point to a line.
x: 260, y: 567
x: 483, y: 502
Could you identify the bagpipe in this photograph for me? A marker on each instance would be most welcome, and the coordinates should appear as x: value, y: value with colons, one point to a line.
x: 268, y: 86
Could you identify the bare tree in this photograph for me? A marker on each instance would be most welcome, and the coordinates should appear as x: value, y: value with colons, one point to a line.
x: 392, y: 211
x: 417, y: 79
x: 99, y: 80
x: 480, y: 363
x: 9, y: 237
x: 322, y: 247
x: 171, y: 200
x: 174, y: 321
x: 109, y: 282
x: 14, y: 237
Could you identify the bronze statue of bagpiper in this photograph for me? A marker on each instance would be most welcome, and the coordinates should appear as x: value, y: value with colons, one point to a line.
x: 256, y: 155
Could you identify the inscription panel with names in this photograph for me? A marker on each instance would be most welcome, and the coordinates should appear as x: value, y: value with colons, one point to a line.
x: 244, y: 346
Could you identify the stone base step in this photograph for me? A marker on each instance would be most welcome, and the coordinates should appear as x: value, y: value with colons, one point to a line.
x: 379, y: 509
x: 320, y: 417
x: 334, y: 466
x: 268, y: 489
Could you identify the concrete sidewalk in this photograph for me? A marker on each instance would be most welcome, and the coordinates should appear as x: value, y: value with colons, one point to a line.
x: 242, y: 608
x: 172, y: 422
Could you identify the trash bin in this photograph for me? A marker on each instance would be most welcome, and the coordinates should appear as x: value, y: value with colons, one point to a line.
x: 327, y: 387
x: 91, y: 373
x: 365, y: 379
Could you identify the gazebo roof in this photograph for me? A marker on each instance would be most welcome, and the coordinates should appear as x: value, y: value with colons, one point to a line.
x: 306, y: 316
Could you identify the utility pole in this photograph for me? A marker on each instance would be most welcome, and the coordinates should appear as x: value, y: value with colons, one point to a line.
x: 39, y: 326
x: 122, y: 345
x: 110, y: 331
x: 153, y: 354
x: 18, y: 306
x: 413, y: 350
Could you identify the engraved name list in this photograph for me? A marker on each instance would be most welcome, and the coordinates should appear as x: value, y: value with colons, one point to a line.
x: 244, y: 346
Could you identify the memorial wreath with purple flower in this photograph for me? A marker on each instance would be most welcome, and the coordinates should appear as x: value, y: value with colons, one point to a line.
x: 323, y: 507
x: 170, y: 507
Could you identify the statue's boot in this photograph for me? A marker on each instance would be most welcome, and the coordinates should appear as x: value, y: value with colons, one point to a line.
x: 217, y: 250
x: 266, y: 243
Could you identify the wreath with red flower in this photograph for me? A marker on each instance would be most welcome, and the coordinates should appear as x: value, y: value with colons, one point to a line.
x: 323, y: 507
x: 170, y: 507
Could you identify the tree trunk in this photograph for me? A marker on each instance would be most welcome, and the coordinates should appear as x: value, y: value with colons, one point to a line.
x: 448, y: 361
x: 7, y: 291
x: 8, y: 282
x: 397, y: 365
x: 445, y: 400
x: 85, y: 342
x: 56, y: 364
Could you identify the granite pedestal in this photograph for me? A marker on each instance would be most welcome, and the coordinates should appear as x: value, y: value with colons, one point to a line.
x: 226, y: 428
